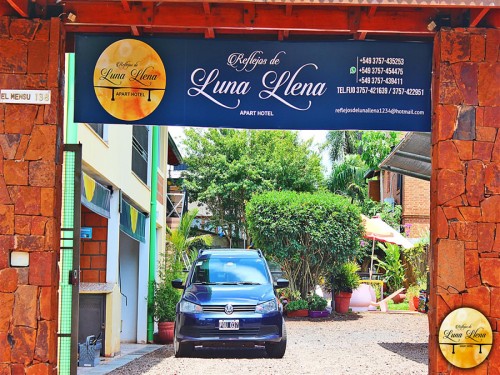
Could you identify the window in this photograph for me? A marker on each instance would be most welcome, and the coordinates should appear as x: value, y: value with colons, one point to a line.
x: 98, y: 128
x: 140, y: 137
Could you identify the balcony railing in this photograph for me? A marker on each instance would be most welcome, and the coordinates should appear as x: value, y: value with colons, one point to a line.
x: 175, y: 204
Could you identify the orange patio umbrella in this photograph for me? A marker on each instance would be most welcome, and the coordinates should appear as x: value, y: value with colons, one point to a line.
x: 378, y: 230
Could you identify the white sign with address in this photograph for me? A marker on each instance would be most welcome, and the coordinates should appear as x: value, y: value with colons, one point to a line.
x: 25, y: 96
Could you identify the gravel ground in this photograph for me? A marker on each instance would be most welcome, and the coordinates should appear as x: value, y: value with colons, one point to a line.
x: 364, y: 343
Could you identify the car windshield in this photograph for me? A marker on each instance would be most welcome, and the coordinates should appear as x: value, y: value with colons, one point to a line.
x: 230, y: 270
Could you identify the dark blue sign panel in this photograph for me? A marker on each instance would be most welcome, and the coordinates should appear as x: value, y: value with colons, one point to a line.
x: 264, y: 84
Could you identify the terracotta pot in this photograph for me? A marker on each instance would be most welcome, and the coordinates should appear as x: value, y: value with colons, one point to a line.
x: 342, y: 300
x: 298, y: 313
x: 165, y: 332
x: 413, y: 304
x: 398, y: 298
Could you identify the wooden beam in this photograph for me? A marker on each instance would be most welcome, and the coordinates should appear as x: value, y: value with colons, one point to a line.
x: 361, y: 36
x: 20, y: 6
x: 135, y: 30
x: 476, y: 15
x: 6, y: 9
x: 372, y: 11
x: 126, y: 5
x: 210, y: 33
x: 240, y: 18
x: 206, y: 8
x: 354, y: 17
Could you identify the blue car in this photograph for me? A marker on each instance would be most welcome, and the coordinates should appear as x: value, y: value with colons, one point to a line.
x: 229, y: 299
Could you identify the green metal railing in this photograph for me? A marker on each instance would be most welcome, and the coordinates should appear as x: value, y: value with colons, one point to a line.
x: 69, y: 264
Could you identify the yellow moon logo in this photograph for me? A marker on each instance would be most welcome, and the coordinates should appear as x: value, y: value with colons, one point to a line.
x: 465, y: 337
x: 129, y: 79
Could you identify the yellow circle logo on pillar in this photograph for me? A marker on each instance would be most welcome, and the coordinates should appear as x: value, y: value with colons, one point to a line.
x: 465, y: 337
x: 129, y: 79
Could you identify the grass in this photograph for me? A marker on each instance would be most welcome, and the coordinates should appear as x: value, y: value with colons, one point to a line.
x: 398, y: 306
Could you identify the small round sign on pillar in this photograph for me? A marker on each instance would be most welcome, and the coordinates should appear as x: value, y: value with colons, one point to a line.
x: 465, y: 337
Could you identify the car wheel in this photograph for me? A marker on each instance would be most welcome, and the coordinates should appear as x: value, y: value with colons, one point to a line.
x: 182, y: 349
x: 277, y: 349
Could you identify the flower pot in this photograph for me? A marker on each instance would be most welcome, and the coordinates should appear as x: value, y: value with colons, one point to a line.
x: 165, y: 332
x: 342, y: 300
x: 297, y: 313
x: 413, y: 303
x: 318, y: 314
x: 398, y: 298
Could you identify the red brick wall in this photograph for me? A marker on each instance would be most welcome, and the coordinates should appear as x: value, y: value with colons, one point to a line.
x: 465, y: 186
x: 31, y: 57
x: 93, y: 251
x: 416, y: 206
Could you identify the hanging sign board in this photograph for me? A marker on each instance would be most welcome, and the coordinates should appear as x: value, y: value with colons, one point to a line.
x: 253, y: 84
x: 25, y: 96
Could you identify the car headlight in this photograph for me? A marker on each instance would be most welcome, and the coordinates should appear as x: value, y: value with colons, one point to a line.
x: 267, y: 307
x: 189, y: 307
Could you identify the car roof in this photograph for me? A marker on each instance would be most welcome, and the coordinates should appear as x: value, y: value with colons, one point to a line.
x: 243, y: 253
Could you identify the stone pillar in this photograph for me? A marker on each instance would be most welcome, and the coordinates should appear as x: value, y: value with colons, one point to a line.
x: 465, y: 186
x: 31, y: 57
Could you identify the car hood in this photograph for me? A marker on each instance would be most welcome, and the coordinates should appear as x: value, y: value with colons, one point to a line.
x: 234, y: 294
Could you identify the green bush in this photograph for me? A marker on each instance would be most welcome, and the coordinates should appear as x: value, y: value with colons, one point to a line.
x: 344, y: 278
x: 304, y: 232
x: 317, y: 303
x: 165, y: 300
x: 394, y: 270
x: 298, y: 304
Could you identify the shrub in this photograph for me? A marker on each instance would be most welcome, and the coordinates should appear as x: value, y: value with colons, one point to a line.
x: 394, y: 271
x: 344, y: 278
x: 298, y: 304
x: 304, y: 232
x: 317, y: 303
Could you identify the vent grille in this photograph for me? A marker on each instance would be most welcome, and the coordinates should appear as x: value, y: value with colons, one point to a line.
x: 236, y: 308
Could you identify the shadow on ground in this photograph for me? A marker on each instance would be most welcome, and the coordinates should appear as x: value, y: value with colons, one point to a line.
x: 247, y: 353
x: 331, y: 317
x: 146, y: 362
x: 416, y: 352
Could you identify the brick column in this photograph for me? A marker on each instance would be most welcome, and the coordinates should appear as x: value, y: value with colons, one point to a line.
x: 31, y: 57
x: 465, y: 186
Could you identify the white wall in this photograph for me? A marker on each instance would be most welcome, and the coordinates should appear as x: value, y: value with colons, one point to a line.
x: 129, y: 280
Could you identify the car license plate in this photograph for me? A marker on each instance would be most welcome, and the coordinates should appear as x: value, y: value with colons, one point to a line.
x: 225, y: 325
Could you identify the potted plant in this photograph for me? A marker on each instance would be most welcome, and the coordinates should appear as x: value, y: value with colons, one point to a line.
x: 165, y: 301
x: 317, y: 306
x: 394, y: 275
x: 344, y: 280
x: 165, y: 295
x: 297, y: 308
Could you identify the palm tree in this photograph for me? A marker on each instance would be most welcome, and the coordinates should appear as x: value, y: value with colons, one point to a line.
x: 347, y: 178
x: 180, y: 242
x: 341, y: 143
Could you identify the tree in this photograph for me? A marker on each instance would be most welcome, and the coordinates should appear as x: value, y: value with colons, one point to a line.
x: 304, y: 232
x: 227, y: 166
x: 179, y: 240
x: 341, y: 143
x: 376, y: 146
x: 347, y: 178
x: 353, y: 153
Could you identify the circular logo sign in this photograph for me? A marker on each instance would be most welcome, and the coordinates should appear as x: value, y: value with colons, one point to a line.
x: 129, y: 79
x: 465, y: 337
x: 228, y: 309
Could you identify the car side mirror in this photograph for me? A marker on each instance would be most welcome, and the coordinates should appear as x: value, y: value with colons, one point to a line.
x: 177, y: 284
x: 281, y: 283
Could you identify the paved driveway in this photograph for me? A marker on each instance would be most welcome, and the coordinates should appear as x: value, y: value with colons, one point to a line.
x: 367, y: 343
